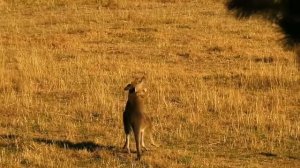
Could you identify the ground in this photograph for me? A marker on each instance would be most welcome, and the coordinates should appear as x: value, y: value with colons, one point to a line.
x: 221, y: 92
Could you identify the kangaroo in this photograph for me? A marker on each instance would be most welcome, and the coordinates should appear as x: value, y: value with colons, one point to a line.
x: 134, y: 118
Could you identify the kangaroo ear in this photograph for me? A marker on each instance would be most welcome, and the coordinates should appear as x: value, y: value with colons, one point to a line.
x: 128, y: 87
x: 142, y: 79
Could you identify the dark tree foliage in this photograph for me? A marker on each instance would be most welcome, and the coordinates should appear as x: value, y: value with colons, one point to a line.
x: 286, y: 13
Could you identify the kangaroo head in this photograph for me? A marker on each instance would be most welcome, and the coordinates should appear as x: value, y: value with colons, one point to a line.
x: 136, y: 85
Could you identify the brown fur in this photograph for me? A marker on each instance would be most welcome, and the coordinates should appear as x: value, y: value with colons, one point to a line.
x: 134, y: 117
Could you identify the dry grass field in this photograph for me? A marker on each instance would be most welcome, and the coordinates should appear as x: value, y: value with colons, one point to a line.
x: 222, y: 92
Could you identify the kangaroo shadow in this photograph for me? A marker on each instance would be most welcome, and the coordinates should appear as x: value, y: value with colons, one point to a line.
x: 9, y: 136
x: 268, y: 154
x: 66, y: 144
x: 90, y: 146
x: 9, y: 142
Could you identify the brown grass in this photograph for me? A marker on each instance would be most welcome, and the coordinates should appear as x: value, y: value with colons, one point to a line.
x: 222, y: 92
